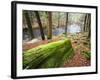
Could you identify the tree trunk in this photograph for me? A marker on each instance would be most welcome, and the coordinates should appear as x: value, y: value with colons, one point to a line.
x: 29, y: 24
x: 58, y: 19
x: 40, y: 25
x: 66, y: 23
x: 49, y: 36
x: 85, y: 23
x: 46, y: 19
x: 89, y: 25
x: 32, y: 17
x: 50, y: 55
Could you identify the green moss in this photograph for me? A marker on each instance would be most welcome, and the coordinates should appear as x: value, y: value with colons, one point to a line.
x: 48, y: 56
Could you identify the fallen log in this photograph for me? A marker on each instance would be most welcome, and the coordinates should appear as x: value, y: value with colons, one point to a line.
x: 49, y: 55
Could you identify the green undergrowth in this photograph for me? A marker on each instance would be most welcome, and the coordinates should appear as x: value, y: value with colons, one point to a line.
x: 87, y: 54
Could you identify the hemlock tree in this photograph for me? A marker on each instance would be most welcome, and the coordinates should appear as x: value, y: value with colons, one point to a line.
x: 40, y: 24
x: 66, y: 23
x: 49, y: 28
x: 29, y: 24
x: 86, y: 23
x: 58, y: 19
x: 89, y: 26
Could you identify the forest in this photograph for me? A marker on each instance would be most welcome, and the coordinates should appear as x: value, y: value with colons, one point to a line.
x: 56, y: 39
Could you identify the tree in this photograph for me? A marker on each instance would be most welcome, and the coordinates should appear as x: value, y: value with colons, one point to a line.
x: 46, y: 19
x: 86, y: 22
x: 29, y: 24
x: 54, y: 57
x: 58, y: 19
x: 31, y: 15
x: 49, y: 35
x: 66, y: 23
x: 89, y: 25
x: 40, y: 24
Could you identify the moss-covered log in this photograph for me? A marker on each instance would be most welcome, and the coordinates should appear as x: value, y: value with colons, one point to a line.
x: 48, y: 56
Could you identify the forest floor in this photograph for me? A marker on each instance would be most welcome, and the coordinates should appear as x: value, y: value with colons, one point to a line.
x: 80, y: 44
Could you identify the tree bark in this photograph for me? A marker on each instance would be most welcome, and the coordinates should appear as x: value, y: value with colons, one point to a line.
x: 58, y: 19
x: 66, y: 23
x: 29, y: 24
x: 49, y: 36
x: 40, y: 25
x: 89, y: 25
x: 85, y: 23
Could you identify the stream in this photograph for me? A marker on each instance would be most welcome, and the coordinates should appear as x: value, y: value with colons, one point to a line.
x: 74, y: 28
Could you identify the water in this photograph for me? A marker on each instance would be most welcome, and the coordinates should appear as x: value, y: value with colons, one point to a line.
x: 74, y: 28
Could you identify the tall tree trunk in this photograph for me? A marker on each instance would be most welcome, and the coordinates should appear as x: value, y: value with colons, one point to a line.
x: 58, y: 19
x: 46, y: 18
x: 85, y: 23
x: 32, y: 17
x: 66, y: 23
x: 89, y: 25
x: 49, y: 36
x: 40, y: 25
x: 29, y: 24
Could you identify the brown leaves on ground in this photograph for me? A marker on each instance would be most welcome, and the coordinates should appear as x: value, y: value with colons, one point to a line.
x: 77, y: 61
x: 27, y: 46
x: 80, y: 43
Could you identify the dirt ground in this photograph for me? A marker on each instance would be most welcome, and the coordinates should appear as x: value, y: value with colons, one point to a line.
x: 78, y: 60
x: 80, y: 43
